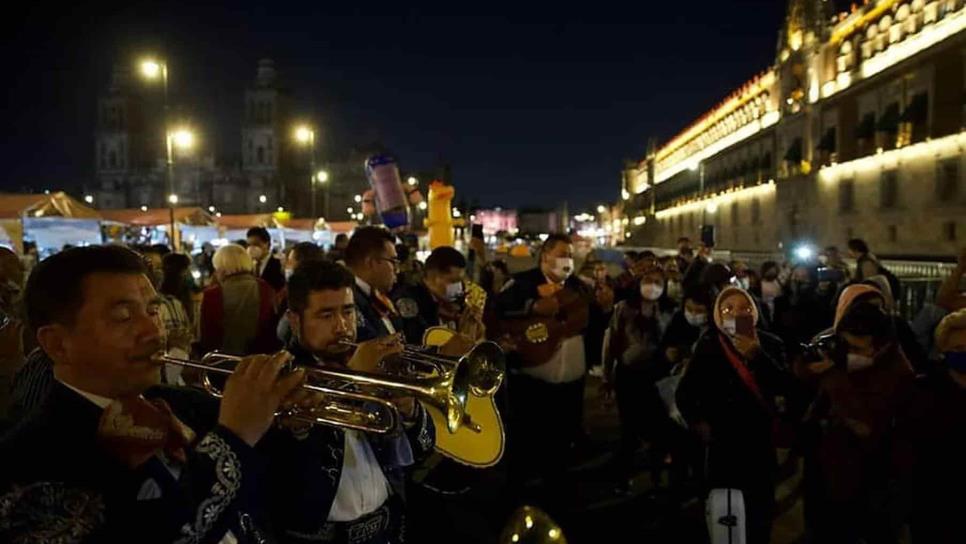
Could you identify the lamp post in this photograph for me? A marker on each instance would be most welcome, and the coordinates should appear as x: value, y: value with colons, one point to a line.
x: 305, y: 136
x: 153, y: 70
x: 323, y: 177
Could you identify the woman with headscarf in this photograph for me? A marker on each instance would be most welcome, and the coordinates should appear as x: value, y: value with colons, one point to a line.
x: 633, y: 362
x: 732, y: 395
x: 859, y: 453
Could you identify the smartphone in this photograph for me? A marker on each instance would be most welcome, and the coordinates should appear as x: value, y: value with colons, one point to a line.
x: 477, y: 231
x: 745, y: 326
x: 707, y: 235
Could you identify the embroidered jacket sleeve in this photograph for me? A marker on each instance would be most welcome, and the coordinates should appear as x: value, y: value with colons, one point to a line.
x: 203, y: 507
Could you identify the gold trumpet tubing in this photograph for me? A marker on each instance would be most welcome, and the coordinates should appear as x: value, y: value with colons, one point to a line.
x: 438, y: 392
x: 390, y: 415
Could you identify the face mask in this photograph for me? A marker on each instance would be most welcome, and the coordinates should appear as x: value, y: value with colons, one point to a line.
x: 651, y: 291
x: 745, y: 283
x: 956, y: 361
x: 695, y: 320
x: 563, y: 267
x: 854, y: 362
x: 256, y: 252
x: 729, y: 326
x: 454, y: 291
x: 288, y: 273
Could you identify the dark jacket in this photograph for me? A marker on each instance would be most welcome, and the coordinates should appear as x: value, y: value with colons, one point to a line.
x: 799, y: 317
x: 939, y: 461
x: 742, y: 451
x: 304, y: 469
x: 418, y: 310
x: 369, y: 323
x: 55, y: 479
x: 516, y: 299
x: 681, y: 335
x: 273, y: 274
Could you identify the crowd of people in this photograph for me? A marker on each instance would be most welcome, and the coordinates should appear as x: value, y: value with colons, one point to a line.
x: 715, y: 367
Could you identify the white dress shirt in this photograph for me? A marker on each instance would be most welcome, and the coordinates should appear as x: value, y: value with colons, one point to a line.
x: 367, y: 289
x: 363, y: 487
x: 568, y: 364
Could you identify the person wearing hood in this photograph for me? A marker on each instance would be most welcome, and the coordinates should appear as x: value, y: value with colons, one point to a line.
x: 940, y: 473
x: 733, y: 394
x: 904, y: 334
x: 858, y: 456
x: 688, y: 324
x: 633, y: 362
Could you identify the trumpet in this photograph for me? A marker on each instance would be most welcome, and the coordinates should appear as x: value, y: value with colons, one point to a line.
x: 362, y: 400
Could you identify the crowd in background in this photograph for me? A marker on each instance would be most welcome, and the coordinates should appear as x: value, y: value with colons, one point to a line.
x: 714, y: 366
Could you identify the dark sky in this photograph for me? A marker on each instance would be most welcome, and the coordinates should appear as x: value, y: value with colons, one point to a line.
x: 530, y: 105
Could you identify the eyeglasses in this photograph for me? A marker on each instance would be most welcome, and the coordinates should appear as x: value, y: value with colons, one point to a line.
x: 395, y: 262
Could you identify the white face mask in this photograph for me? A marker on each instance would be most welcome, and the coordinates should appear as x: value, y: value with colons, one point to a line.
x: 256, y: 252
x: 563, y: 267
x: 854, y: 362
x: 745, y: 283
x: 695, y: 320
x: 651, y: 291
x: 729, y: 326
x: 454, y: 291
x: 288, y: 273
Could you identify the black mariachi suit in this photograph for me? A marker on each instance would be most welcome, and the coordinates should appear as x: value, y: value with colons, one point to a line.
x: 57, y: 485
x: 447, y: 501
x: 545, y: 417
x: 369, y: 323
x: 305, y: 469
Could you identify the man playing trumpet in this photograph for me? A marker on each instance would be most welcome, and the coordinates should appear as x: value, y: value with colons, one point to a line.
x: 110, y: 457
x: 329, y: 484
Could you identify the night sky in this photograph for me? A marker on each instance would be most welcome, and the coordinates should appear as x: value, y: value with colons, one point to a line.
x: 529, y: 106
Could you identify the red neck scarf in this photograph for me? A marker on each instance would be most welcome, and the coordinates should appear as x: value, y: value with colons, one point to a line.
x: 134, y: 429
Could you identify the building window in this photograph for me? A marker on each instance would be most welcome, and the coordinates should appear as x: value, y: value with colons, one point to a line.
x: 112, y: 159
x: 734, y: 213
x: 893, y: 234
x: 846, y: 195
x: 947, y: 181
x: 949, y: 231
x: 889, y: 189
x: 260, y: 159
x: 755, y: 211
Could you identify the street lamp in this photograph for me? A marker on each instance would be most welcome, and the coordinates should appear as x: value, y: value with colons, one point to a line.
x: 144, y: 208
x: 601, y: 209
x: 263, y: 199
x: 357, y: 198
x: 413, y: 181
x: 89, y: 199
x: 211, y: 209
x: 153, y: 70
x: 422, y: 205
x: 280, y: 209
x: 305, y: 136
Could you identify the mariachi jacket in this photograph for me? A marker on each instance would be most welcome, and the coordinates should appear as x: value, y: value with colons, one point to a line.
x: 58, y: 486
x: 305, y: 468
x: 369, y: 323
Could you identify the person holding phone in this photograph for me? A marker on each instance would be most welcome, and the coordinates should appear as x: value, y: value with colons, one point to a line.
x: 733, y: 395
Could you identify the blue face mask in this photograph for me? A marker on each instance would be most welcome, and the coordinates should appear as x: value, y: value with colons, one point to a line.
x: 956, y: 360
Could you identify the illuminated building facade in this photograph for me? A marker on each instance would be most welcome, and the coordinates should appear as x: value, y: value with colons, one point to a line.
x: 857, y: 130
